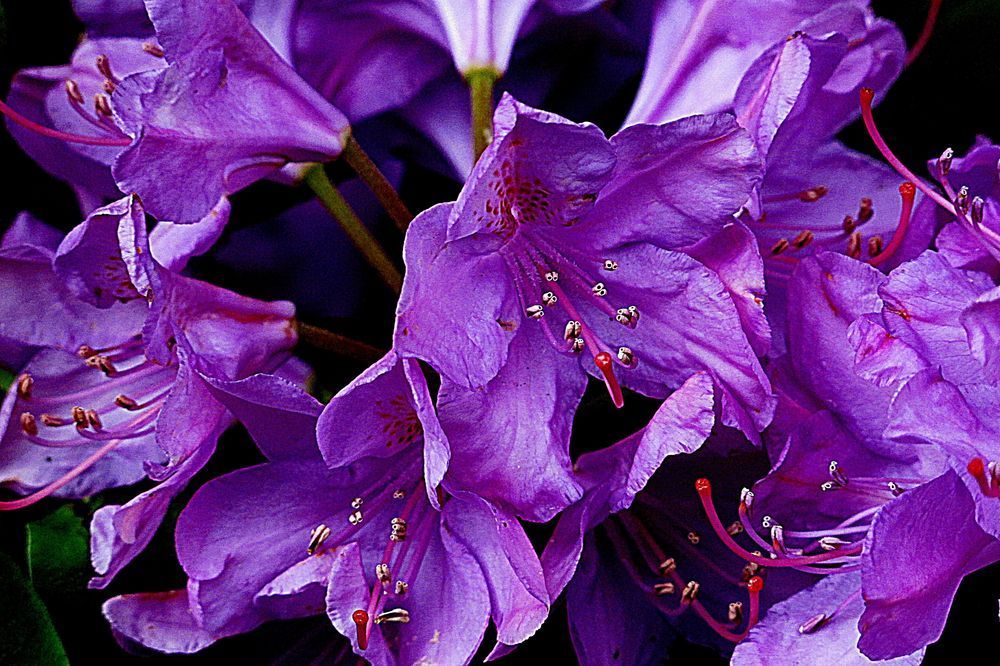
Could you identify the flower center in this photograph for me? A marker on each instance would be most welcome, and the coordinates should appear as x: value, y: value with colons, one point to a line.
x: 629, y: 535
x: 112, y: 395
x: 548, y: 280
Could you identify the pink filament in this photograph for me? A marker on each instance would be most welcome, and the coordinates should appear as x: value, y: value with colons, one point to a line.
x: 61, y: 481
x: 867, y: 96
x: 925, y: 33
x: 907, y: 191
x: 704, y: 489
x: 63, y: 136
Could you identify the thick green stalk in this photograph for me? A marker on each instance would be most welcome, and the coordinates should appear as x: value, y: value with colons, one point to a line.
x: 481, y: 88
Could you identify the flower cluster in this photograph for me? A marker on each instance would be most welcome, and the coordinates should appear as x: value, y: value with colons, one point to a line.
x: 814, y: 331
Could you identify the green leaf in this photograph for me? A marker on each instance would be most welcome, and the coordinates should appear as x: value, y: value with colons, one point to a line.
x: 27, y: 636
x: 5, y: 377
x: 57, y: 553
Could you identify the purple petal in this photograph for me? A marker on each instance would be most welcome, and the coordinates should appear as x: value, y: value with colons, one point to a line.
x: 463, y: 333
x: 173, y: 245
x: 777, y: 639
x: 529, y: 408
x: 279, y: 415
x: 981, y: 322
x: 92, y: 259
x: 906, y: 606
x: 674, y: 184
x: 160, y: 620
x: 119, y: 533
x: 732, y: 253
x: 518, y: 598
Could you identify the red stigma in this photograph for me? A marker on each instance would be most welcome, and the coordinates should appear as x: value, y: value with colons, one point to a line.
x: 360, y: 618
x: 755, y: 584
x: 867, y: 96
x: 703, y: 486
x: 977, y: 468
x: 605, y: 364
x: 908, y: 190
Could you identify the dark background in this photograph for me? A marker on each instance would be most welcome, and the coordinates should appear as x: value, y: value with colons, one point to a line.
x: 945, y: 99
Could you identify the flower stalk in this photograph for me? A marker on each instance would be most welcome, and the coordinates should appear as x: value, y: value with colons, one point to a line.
x: 363, y: 240
x: 481, y: 89
x: 326, y: 340
x: 376, y: 181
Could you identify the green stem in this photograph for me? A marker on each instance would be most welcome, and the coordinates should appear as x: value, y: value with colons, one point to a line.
x: 377, y: 182
x: 481, y: 88
x: 334, y: 202
x: 321, y: 338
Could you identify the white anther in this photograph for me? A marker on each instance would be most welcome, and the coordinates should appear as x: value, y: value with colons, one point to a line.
x: 578, y: 345
x: 572, y: 330
x: 549, y: 298
x: 944, y: 162
x: 318, y: 535
x: 599, y: 290
x: 766, y: 522
x: 535, y: 312
x: 552, y: 276
x: 827, y: 485
x: 355, y: 518
x: 399, y: 494
x: 746, y: 497
x: 778, y: 537
x: 623, y: 317
x: 832, y: 543
x: 382, y: 572
x: 663, y: 589
x: 401, y: 587
x: 610, y: 265
x: 357, y: 502
x: 894, y: 489
x: 813, y: 623
x: 394, y: 615
x: 627, y: 357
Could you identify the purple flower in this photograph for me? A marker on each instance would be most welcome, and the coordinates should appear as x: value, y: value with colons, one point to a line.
x: 934, y: 343
x: 117, y: 392
x: 404, y: 567
x: 75, y: 99
x: 841, y: 496
x: 226, y: 112
x: 638, y: 545
x: 557, y: 220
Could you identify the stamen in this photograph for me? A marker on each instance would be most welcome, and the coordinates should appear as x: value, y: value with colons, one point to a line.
x: 867, y: 97
x: 394, y: 615
x: 802, y: 239
x: 360, y: 618
x: 318, y: 535
x: 24, y: 384
x: 663, y: 589
x: 854, y: 245
x: 813, y: 623
x: 41, y: 494
x: 126, y: 402
x: 28, y: 424
x: 780, y: 246
x: 152, y: 49
x: 401, y: 588
x: 907, y: 192
x: 62, y: 136
x: 925, y: 33
x: 73, y: 92
x: 690, y: 592
x: 866, y: 211
x: 610, y: 265
x: 735, y: 613
x: 549, y: 298
x: 79, y: 417
x: 806, y: 196
x: 94, y: 419
x: 102, y: 105
x: 874, y: 246
x: 704, y: 489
